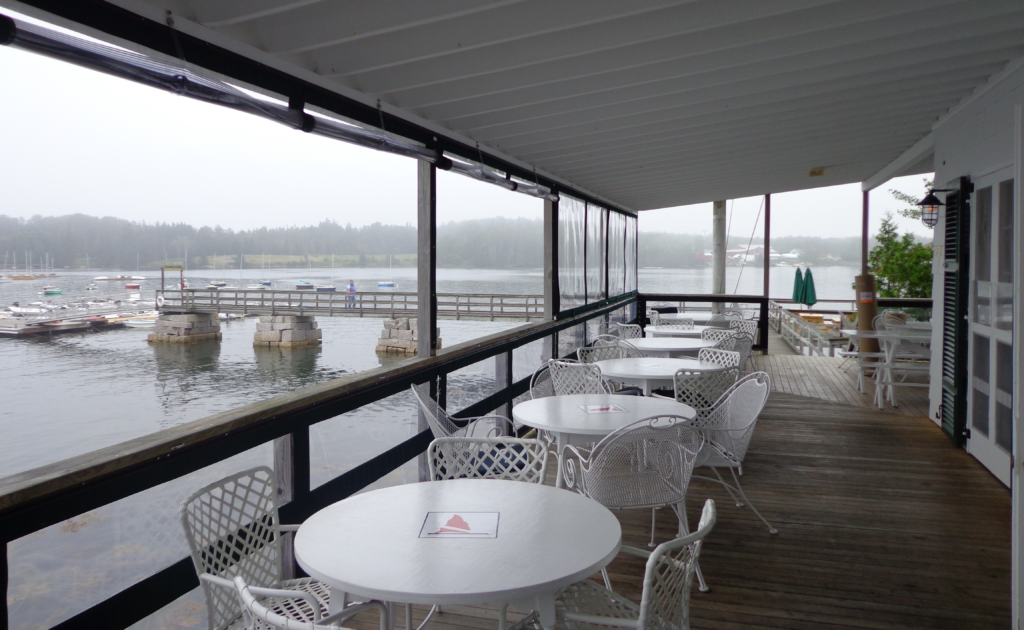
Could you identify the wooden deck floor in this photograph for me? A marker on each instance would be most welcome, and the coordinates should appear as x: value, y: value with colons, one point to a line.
x: 882, y: 524
x: 832, y: 380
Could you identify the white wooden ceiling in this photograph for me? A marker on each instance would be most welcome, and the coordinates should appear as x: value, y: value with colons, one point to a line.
x: 649, y: 103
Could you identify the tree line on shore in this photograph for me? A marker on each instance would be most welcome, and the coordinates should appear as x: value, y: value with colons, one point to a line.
x: 78, y: 240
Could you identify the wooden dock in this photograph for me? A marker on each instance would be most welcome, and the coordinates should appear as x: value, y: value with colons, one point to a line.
x: 480, y: 307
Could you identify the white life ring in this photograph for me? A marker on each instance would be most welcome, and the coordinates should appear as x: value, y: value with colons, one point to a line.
x: 159, y: 300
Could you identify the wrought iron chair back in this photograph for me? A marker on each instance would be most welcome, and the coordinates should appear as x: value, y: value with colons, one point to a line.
x: 599, y: 353
x: 700, y: 389
x: 540, y: 383
x: 719, y: 357
x: 668, y: 578
x: 645, y: 464
x: 233, y: 529
x: 680, y: 324
x: 729, y: 424
x: 665, y: 599
x: 630, y: 331
x: 443, y: 425
x: 572, y: 377
x: 515, y: 459
x: 745, y: 326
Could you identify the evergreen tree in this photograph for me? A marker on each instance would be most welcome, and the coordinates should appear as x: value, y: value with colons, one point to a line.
x: 902, y: 266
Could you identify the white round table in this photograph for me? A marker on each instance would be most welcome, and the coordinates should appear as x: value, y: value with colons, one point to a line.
x: 383, y: 544
x: 673, y: 331
x: 580, y: 419
x: 651, y: 372
x: 670, y: 346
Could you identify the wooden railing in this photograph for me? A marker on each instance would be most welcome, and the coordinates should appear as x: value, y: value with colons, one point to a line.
x: 474, y: 306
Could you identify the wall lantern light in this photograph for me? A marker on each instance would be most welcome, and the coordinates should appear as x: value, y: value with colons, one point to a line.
x: 930, y: 207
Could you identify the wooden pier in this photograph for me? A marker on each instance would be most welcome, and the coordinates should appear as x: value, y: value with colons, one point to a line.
x: 470, y: 306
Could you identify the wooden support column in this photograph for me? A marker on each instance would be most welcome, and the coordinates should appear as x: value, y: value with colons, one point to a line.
x: 426, y: 280
x: 718, y: 253
x: 426, y: 299
x: 291, y: 467
x: 864, y: 236
x: 552, y: 291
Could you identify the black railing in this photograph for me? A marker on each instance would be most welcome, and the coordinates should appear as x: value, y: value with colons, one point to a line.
x: 646, y: 299
x: 45, y: 496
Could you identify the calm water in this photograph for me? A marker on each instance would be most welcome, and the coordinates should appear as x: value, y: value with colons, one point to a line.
x: 74, y: 393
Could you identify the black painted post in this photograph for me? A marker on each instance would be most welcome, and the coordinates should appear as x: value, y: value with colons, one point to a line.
x: 552, y: 290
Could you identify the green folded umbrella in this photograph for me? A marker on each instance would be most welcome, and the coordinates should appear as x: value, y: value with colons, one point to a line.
x: 809, y: 297
x: 798, y: 286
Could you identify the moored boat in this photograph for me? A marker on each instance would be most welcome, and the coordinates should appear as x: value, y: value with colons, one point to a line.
x: 304, y: 285
x: 133, y: 285
x: 52, y: 291
x: 326, y: 288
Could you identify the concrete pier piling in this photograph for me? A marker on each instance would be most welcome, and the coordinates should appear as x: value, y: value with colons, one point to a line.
x: 401, y: 337
x: 287, y: 331
x: 191, y: 328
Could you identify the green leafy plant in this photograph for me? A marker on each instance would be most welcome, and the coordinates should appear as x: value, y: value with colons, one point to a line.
x: 902, y: 266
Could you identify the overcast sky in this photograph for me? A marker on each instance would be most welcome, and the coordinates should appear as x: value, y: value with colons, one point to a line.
x: 80, y: 141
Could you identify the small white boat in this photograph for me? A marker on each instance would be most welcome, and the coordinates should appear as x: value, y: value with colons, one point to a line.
x: 91, y: 287
x: 218, y: 283
x: 255, y: 287
x: 387, y: 283
x: 140, y: 323
x: 265, y: 283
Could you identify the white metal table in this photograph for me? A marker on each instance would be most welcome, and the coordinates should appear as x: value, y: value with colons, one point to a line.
x: 584, y: 418
x: 909, y: 341
x: 670, y: 346
x: 385, y: 544
x: 650, y: 372
x: 672, y: 331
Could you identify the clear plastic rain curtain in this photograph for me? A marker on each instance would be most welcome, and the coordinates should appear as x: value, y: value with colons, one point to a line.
x: 616, y: 254
x: 597, y: 224
x: 631, y: 245
x: 571, y: 263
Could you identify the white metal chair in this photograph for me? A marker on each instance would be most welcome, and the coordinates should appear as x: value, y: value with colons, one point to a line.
x: 540, y: 383
x: 728, y: 358
x: 701, y: 389
x: 594, y: 354
x: 746, y: 326
x: 654, y: 317
x: 294, y: 610
x: 728, y: 427
x: 233, y: 529
x: 684, y: 323
x: 515, y: 459
x: 665, y: 600
x: 644, y: 465
x: 572, y: 377
x: 630, y: 331
x: 744, y: 344
x: 724, y: 338
x: 443, y: 425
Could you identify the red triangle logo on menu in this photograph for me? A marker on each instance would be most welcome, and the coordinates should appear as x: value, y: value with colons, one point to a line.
x: 455, y: 525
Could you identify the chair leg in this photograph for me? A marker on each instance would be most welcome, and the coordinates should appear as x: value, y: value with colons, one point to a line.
x: 607, y: 580
x: 739, y: 488
x: 727, y: 487
x: 654, y: 516
x: 684, y: 529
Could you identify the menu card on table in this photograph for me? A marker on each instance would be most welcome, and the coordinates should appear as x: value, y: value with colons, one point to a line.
x: 460, y: 525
